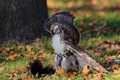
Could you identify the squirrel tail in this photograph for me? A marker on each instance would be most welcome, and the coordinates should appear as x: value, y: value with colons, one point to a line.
x: 36, y: 68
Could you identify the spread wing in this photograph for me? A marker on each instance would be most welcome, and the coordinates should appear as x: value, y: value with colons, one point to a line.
x: 84, y: 58
x: 65, y: 21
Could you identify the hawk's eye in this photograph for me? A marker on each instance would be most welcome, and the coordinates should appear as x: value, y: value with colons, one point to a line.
x: 57, y: 30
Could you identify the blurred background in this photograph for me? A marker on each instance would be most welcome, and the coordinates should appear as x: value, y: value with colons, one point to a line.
x: 99, y: 17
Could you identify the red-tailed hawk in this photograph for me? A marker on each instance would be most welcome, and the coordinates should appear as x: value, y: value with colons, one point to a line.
x: 65, y: 40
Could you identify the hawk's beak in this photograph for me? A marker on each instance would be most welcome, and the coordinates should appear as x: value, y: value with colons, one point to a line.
x: 47, y: 26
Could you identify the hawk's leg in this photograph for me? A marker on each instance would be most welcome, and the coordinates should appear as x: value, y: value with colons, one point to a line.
x: 57, y: 61
x: 69, y: 62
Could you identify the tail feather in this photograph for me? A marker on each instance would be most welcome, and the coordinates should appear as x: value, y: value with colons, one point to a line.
x: 85, y: 58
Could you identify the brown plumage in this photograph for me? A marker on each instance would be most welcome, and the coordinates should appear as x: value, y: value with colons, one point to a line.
x: 65, y: 40
x: 65, y: 21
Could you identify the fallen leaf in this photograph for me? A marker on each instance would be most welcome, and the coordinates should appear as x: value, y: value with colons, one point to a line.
x: 100, y: 71
x: 71, y: 74
x: 30, y: 56
x: 12, y: 74
x: 115, y: 47
x: 1, y: 50
x: 22, y: 68
x: 13, y: 56
x: 51, y: 63
x: 116, y: 74
x: 29, y: 48
x: 9, y: 49
x: 61, y: 71
x: 42, y: 55
x: 108, y: 49
x: 14, y: 79
x: 21, y: 47
x: 24, y: 76
x: 115, y: 67
x: 85, y: 70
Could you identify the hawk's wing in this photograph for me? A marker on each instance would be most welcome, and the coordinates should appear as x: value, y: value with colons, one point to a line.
x: 84, y: 58
x: 65, y: 22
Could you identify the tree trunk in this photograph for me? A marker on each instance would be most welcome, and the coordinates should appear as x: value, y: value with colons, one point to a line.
x: 22, y: 19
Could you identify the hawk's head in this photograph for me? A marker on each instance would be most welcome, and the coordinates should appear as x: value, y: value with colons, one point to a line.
x: 63, y: 23
x: 52, y: 24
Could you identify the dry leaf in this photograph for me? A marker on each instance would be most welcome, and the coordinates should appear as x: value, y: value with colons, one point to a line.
x: 100, y: 71
x: 115, y: 47
x: 14, y: 79
x: 42, y: 55
x: 85, y: 70
x: 22, y: 68
x: 1, y: 50
x: 51, y: 63
x: 29, y: 48
x: 21, y: 47
x: 12, y: 74
x: 61, y: 71
x: 108, y: 50
x: 24, y: 76
x: 9, y: 49
x: 116, y: 74
x: 13, y: 56
x: 115, y: 66
x: 71, y: 74
x: 30, y: 56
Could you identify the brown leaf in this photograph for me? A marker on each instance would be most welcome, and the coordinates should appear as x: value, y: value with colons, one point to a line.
x: 108, y: 49
x: 71, y: 74
x: 61, y: 71
x: 22, y: 68
x: 51, y: 63
x: 13, y: 56
x: 30, y: 56
x: 29, y: 48
x: 115, y: 47
x: 21, y: 47
x: 85, y: 70
x: 100, y: 71
x: 116, y: 74
x: 9, y: 48
x: 42, y: 55
x: 12, y: 74
x: 14, y: 79
x: 24, y: 76
x: 1, y: 50
x: 115, y: 67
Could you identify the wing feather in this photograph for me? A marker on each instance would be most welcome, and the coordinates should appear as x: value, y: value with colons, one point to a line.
x: 84, y: 58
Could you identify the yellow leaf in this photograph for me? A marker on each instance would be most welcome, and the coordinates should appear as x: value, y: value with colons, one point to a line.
x: 13, y: 56
x: 85, y: 70
x: 29, y: 48
x: 61, y: 71
x: 71, y: 74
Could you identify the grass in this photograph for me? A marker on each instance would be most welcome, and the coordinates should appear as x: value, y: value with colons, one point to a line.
x: 43, y: 46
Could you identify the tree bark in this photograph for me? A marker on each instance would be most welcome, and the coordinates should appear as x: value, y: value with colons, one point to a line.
x: 22, y: 19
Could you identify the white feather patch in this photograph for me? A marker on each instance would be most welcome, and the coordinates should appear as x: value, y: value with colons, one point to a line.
x: 57, y: 45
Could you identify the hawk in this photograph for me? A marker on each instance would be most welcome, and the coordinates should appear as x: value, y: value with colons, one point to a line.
x: 65, y: 42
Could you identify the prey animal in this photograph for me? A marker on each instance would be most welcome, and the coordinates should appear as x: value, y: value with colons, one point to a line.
x: 65, y: 42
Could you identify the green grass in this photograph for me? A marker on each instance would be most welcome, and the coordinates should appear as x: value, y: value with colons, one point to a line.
x: 43, y: 44
x: 11, y: 66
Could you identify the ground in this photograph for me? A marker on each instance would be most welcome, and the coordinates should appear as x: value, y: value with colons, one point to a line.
x: 100, y: 35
